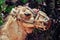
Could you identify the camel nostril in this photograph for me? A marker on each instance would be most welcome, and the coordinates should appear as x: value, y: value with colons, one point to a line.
x: 27, y: 14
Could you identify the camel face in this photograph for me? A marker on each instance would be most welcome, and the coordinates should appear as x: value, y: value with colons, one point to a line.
x: 20, y: 22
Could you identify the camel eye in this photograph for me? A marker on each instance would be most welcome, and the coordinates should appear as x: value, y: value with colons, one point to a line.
x: 27, y: 14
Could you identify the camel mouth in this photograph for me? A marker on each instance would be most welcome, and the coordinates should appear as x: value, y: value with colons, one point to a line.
x: 27, y: 14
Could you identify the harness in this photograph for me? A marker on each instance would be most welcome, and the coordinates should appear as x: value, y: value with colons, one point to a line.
x: 15, y: 16
x: 34, y: 14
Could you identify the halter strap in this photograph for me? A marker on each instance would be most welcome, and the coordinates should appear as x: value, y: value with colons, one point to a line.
x: 21, y: 18
x: 30, y: 10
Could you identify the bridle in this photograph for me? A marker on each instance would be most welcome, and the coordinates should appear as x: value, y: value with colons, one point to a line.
x: 25, y: 21
x: 15, y: 16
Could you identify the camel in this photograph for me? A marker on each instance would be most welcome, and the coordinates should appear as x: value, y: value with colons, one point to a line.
x: 20, y: 22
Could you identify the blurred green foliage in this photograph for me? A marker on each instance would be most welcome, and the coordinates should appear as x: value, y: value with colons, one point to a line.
x: 1, y: 9
x: 39, y: 1
x: 1, y: 21
x: 8, y: 8
x: 4, y: 7
x: 1, y: 3
x: 24, y: 1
